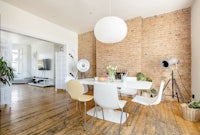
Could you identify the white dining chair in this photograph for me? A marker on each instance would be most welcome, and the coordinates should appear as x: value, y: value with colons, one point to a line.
x: 148, y: 101
x: 128, y: 91
x: 76, y: 91
x: 106, y: 96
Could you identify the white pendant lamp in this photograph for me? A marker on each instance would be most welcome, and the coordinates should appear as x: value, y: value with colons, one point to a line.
x: 110, y: 29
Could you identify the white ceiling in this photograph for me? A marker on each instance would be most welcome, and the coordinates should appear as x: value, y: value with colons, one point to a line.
x: 81, y: 15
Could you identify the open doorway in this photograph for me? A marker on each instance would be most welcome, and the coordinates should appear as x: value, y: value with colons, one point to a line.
x: 26, y: 52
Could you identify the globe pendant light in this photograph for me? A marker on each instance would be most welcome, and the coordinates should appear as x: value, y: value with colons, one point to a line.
x: 110, y: 29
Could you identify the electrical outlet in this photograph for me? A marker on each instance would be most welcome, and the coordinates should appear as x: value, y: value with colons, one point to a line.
x: 193, y: 96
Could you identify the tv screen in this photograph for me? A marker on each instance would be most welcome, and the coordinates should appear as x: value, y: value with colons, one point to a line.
x: 44, y: 64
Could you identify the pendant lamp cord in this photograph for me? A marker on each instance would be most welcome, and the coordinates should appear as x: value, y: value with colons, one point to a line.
x: 109, y: 7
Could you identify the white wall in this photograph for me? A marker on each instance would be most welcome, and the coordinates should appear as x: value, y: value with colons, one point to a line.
x: 20, y: 21
x: 195, y: 31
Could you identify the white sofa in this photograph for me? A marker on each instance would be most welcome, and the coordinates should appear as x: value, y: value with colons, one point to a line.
x: 19, y: 79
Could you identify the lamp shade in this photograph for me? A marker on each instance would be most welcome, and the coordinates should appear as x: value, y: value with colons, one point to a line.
x: 110, y: 29
x: 83, y: 65
x: 169, y: 62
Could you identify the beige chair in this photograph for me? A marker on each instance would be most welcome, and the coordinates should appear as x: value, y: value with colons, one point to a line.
x: 76, y: 90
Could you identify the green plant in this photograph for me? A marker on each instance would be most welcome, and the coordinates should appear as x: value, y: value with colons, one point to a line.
x: 6, y: 72
x: 153, y: 91
x: 194, y: 104
x: 141, y: 77
x: 111, y: 70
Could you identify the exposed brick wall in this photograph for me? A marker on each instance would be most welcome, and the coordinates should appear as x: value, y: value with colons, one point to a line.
x: 167, y: 36
x: 87, y: 50
x: 149, y: 41
x: 126, y: 55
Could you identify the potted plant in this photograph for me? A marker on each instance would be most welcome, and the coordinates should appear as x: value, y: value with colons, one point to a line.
x: 111, y: 72
x: 153, y: 92
x: 6, y: 72
x: 191, y: 110
x: 6, y: 75
x: 141, y: 77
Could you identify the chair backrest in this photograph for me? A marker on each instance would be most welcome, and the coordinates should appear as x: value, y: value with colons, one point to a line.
x: 106, y: 95
x: 75, y: 89
x: 159, y: 96
x: 67, y: 79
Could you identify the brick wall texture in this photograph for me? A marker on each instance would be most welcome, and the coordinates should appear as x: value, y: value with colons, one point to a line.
x: 87, y: 50
x: 148, y: 42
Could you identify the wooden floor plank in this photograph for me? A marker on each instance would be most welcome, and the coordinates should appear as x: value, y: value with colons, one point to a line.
x: 44, y: 111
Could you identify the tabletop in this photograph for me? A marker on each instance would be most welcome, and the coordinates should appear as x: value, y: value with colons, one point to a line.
x: 118, y: 83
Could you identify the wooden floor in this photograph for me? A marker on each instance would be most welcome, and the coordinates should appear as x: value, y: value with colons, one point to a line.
x: 44, y: 111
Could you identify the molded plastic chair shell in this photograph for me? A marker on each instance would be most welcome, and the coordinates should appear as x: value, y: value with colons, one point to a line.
x: 106, y: 96
x: 150, y: 101
x: 76, y: 90
x: 147, y: 101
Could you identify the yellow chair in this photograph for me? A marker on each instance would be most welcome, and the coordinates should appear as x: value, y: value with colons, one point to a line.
x: 76, y: 91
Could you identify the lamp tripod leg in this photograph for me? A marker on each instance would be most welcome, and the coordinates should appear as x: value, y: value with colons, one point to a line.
x: 179, y: 92
x: 174, y: 87
x: 173, y: 91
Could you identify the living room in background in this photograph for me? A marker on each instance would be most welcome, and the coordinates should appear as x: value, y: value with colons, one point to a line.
x: 26, y: 53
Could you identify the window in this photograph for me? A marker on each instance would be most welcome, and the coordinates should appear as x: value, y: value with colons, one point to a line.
x: 17, y: 60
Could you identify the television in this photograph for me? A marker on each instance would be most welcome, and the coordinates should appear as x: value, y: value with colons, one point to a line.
x: 44, y: 64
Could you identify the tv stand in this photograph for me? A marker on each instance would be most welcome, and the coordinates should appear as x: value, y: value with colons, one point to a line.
x: 41, y: 82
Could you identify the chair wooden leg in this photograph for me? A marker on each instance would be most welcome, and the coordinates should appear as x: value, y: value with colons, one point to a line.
x: 155, y: 118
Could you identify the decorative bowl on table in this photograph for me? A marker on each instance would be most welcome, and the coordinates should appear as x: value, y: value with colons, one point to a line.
x: 101, y: 79
x: 96, y: 78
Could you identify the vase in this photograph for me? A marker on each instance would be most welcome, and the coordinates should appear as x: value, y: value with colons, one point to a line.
x: 111, y: 77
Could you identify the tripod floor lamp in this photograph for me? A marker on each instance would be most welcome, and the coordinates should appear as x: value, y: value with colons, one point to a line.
x: 174, y: 86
